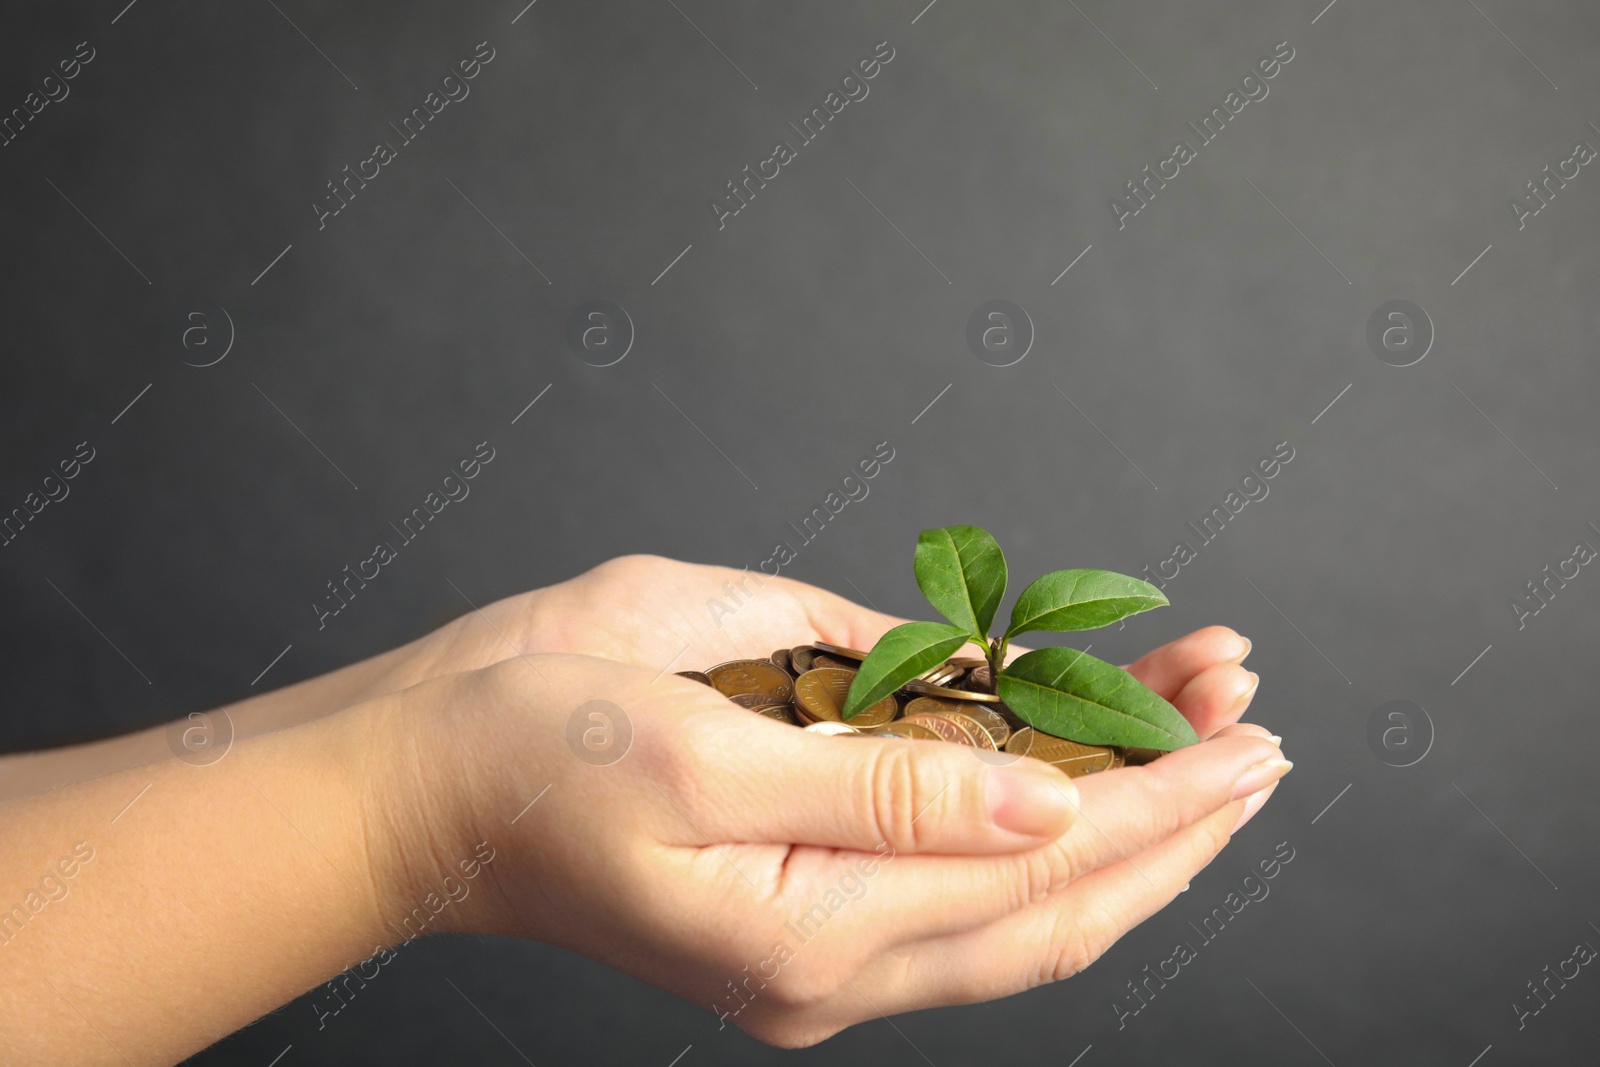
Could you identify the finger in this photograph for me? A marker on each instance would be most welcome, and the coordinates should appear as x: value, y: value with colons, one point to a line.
x: 1120, y: 815
x: 1255, y: 801
x: 1253, y: 804
x: 1216, y: 697
x: 914, y: 898
x: 1054, y: 939
x: 1169, y: 668
x: 1247, y: 729
x: 789, y: 786
x: 745, y: 778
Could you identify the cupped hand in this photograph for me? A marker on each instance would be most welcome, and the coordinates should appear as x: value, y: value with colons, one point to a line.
x: 796, y: 884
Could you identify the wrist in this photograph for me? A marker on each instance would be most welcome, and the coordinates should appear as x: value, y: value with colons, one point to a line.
x: 431, y: 849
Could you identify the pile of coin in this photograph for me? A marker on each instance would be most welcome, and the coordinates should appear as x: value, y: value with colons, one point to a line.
x: 954, y: 702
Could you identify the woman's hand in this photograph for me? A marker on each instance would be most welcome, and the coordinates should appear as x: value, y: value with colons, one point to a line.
x: 792, y: 883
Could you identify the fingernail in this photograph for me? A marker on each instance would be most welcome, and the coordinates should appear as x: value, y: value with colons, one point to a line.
x: 1031, y: 799
x: 1248, y: 645
x: 1256, y: 802
x: 1249, y: 691
x: 1275, y: 739
x: 1260, y: 776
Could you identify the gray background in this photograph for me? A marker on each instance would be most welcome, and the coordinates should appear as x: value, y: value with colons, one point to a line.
x: 808, y: 330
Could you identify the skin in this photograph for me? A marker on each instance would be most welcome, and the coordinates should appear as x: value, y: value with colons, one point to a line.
x: 357, y: 809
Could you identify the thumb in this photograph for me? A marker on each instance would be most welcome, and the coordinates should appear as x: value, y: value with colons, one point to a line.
x: 778, y: 784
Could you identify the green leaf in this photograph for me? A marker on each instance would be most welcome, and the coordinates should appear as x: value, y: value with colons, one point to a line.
x: 899, y: 656
x: 1069, y: 694
x: 1081, y: 600
x: 962, y: 572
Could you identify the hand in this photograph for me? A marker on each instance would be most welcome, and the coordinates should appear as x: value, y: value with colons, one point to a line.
x: 827, y: 879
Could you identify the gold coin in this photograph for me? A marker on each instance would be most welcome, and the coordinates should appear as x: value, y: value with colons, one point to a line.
x: 831, y: 728
x: 821, y: 692
x: 752, y: 676
x: 951, y: 729
x: 900, y: 728
x: 923, y: 689
x: 840, y: 651
x: 800, y: 657
x: 992, y: 722
x: 695, y: 676
x: 943, y: 674
x: 968, y: 663
x: 1073, y: 757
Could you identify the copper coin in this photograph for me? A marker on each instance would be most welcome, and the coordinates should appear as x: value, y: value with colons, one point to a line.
x: 752, y: 676
x: 752, y: 700
x: 1138, y: 757
x: 695, y: 676
x: 778, y: 712
x: 992, y: 722
x: 821, y: 692
x: 900, y: 728
x: 950, y: 729
x: 841, y: 651
x: 781, y: 659
x: 923, y: 689
x: 800, y: 657
x: 979, y: 680
x: 831, y: 728
x: 1072, y: 757
x: 979, y: 732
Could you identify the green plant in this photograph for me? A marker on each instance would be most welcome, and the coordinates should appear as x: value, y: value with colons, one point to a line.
x: 1059, y: 691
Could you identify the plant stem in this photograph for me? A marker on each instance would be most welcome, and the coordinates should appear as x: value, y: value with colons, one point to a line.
x: 997, y: 659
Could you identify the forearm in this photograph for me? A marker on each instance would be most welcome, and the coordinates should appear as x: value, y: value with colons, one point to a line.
x: 251, y: 879
x: 26, y: 773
